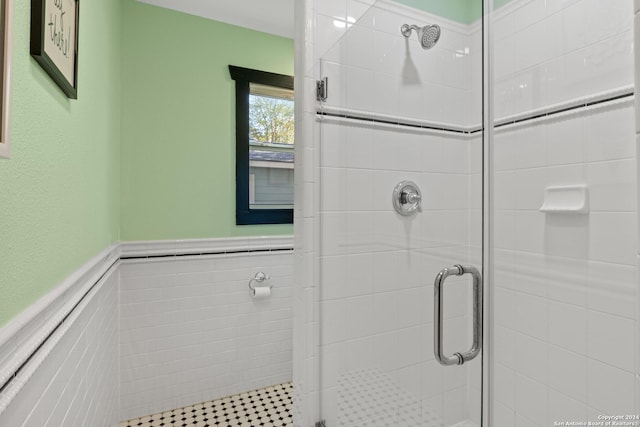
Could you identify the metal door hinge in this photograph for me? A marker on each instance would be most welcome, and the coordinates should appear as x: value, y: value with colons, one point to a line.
x: 321, y: 424
x: 322, y: 92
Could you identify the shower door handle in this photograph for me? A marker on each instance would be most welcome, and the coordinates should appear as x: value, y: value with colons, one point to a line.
x: 457, y: 358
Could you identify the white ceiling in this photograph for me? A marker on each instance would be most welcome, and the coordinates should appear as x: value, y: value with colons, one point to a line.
x: 269, y: 16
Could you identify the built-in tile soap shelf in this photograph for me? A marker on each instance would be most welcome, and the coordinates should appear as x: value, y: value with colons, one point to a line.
x: 566, y: 199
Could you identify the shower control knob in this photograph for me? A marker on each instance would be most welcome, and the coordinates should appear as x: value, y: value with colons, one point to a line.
x: 410, y: 197
x: 407, y: 198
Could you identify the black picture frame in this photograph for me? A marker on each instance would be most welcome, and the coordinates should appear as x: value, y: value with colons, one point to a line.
x: 6, y: 42
x: 46, y: 15
x: 244, y: 214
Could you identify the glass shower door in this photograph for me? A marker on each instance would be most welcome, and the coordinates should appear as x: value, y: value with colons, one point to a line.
x: 564, y: 286
x: 400, y: 200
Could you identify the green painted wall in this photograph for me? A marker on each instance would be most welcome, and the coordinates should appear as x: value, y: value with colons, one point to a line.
x: 178, y: 158
x: 464, y: 11
x: 499, y: 3
x: 59, y: 203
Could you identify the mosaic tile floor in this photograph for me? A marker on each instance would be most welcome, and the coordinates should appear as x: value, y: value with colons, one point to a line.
x: 267, y: 407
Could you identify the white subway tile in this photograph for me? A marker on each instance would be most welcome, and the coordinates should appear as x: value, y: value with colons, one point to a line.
x: 567, y: 374
x: 524, y: 422
x: 334, y: 315
x: 532, y: 358
x: 333, y: 358
x: 539, y: 42
x: 357, y: 48
x: 529, y: 188
x: 386, y: 88
x: 503, y: 416
x: 559, y: 58
x: 327, y: 34
x: 531, y: 399
x: 530, y: 231
x: 612, y: 185
x: 611, y: 288
x: 532, y: 316
x: 359, y: 141
x: 531, y: 150
x: 456, y: 334
x: 333, y: 8
x: 505, y: 339
x: 454, y: 406
x: 337, y: 75
x: 505, y: 269
x: 76, y: 379
x: 359, y: 85
x: 610, y: 133
x: 609, y: 237
x: 360, y: 11
x: 505, y: 307
x: 610, y: 340
x: 603, y: 379
x: 563, y: 408
x: 564, y: 139
x: 385, y: 306
x: 505, y: 385
x: 359, y: 190
x: 415, y: 306
x: 529, y: 13
x: 220, y: 322
x: 361, y: 317
x: 530, y: 274
x: 503, y: 26
x: 568, y: 279
x: 506, y: 188
x: 568, y: 327
x: 504, y: 57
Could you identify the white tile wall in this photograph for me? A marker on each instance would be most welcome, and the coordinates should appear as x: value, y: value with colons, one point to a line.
x: 375, y: 308
x: 190, y: 330
x: 377, y: 267
x: 548, y: 52
x: 575, y: 275
x: 637, y: 147
x: 570, y: 278
x: 77, y: 383
x: 374, y: 57
x: 305, y: 326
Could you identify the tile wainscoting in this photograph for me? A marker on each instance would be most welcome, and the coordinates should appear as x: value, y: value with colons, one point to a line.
x: 97, y: 349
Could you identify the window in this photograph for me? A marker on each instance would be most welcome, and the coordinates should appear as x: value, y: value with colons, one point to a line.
x: 264, y: 147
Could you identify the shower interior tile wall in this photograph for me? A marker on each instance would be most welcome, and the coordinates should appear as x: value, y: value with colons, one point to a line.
x: 376, y: 310
x: 637, y: 119
x: 565, y: 285
x: 547, y: 52
x: 376, y: 301
x: 191, y: 332
x: 554, y: 275
x: 375, y: 58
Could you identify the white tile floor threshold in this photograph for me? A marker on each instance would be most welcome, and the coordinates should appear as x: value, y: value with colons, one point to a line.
x: 267, y: 407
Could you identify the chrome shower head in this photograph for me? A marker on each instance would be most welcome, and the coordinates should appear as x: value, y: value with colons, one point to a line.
x: 428, y: 35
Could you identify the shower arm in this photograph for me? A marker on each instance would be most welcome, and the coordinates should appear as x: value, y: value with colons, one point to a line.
x: 406, y: 29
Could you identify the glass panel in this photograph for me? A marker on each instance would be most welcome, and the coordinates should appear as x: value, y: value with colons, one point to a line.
x: 399, y: 112
x: 565, y: 280
x: 271, y: 144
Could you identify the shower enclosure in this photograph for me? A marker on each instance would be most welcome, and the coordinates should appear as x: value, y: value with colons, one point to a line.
x: 466, y: 214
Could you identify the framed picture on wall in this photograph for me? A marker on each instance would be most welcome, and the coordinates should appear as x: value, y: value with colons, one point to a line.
x: 5, y: 84
x: 54, y: 41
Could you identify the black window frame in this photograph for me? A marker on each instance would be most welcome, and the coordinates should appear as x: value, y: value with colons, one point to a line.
x: 243, y: 78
